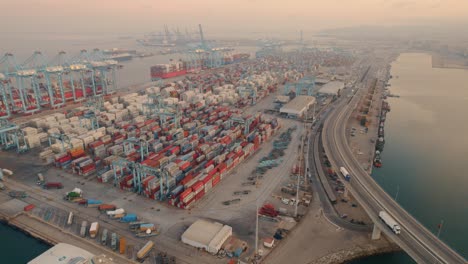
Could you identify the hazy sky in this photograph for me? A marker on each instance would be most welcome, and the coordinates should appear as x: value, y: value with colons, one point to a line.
x: 237, y: 15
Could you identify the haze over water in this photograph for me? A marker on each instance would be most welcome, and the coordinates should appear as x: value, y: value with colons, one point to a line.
x: 426, y: 149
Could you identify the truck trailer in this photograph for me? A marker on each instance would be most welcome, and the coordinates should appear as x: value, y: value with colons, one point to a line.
x: 390, y: 222
x: 345, y: 173
x: 93, y: 230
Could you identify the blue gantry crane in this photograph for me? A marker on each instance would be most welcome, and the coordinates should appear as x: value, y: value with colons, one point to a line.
x: 11, y: 136
x: 129, y: 147
x: 62, y: 139
x: 203, y: 56
x: 304, y: 86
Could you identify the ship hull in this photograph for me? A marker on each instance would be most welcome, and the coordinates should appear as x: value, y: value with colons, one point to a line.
x: 168, y: 74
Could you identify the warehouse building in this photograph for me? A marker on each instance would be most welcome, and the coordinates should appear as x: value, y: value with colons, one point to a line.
x: 331, y: 88
x: 298, y: 106
x: 207, y: 235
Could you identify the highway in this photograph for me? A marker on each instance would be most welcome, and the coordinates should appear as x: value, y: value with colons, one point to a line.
x: 420, y: 243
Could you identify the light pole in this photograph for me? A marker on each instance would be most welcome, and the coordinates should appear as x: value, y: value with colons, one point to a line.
x: 256, y: 229
x: 397, y: 192
x: 440, y: 228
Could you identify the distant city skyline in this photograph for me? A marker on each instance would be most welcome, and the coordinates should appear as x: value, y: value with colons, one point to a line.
x: 139, y: 16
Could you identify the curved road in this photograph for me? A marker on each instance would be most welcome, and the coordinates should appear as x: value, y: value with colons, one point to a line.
x: 420, y: 243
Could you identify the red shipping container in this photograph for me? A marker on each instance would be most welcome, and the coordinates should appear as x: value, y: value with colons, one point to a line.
x: 184, y: 165
x: 221, y: 167
x: 210, y: 162
x: 197, y: 186
x: 186, y: 179
x: 28, y: 207
x: 147, y: 179
x: 185, y: 193
x: 216, y: 180
x: 207, y: 179
x: 200, y: 195
x: 212, y: 172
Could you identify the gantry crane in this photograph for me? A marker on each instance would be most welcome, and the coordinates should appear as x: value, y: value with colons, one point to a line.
x: 130, y: 143
x: 303, y: 86
x: 119, y: 166
x: 64, y: 139
x: 4, y: 102
x: 204, y: 56
x: 11, y: 136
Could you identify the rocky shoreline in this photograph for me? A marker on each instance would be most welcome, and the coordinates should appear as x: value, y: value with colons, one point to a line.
x: 358, y: 252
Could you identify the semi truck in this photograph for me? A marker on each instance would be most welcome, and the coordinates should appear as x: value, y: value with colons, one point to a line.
x: 70, y: 218
x: 93, y: 203
x: 143, y: 252
x: 390, y: 222
x: 106, y: 207
x: 345, y: 173
x: 129, y: 218
x: 104, y: 237
x: 40, y: 179
x: 115, y: 212
x: 114, y: 241
x: 84, y: 224
x: 53, y: 185
x: 93, y: 230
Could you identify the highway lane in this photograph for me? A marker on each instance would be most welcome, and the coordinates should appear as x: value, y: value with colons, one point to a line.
x: 415, y: 239
x: 313, y: 163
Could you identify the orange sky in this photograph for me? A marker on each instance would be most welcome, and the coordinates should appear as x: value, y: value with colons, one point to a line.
x: 268, y: 15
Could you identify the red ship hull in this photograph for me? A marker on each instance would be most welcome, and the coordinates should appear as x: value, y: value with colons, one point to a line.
x: 168, y: 74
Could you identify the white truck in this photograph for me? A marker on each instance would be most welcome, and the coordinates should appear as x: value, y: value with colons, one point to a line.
x: 93, y: 229
x: 115, y: 212
x: 345, y: 173
x: 390, y: 222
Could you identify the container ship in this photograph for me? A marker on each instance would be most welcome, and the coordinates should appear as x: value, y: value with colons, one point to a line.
x: 179, y: 68
x: 121, y: 57
x: 170, y: 70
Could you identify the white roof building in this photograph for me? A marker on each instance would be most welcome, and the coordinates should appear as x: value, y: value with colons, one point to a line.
x: 331, y: 87
x: 298, y: 105
x: 63, y: 253
x: 207, y: 235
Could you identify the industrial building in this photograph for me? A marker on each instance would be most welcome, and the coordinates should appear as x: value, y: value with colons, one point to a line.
x: 331, y: 88
x: 297, y: 106
x: 207, y: 235
x: 321, y: 81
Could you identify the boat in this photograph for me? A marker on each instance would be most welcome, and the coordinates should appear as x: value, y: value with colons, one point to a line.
x: 170, y: 70
x: 377, y: 160
x: 121, y: 57
x: 380, y: 144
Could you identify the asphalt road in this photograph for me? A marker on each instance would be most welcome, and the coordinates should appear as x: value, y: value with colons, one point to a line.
x: 422, y: 245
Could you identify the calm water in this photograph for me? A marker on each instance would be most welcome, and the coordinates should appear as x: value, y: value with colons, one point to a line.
x: 426, y: 150
x: 18, y: 248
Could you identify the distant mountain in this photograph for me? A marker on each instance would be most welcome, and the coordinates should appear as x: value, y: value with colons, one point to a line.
x: 454, y: 32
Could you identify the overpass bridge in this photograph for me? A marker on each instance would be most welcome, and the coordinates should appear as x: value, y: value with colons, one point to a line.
x: 420, y: 243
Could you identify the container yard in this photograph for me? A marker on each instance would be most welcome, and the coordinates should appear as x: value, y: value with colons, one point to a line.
x: 132, y: 172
